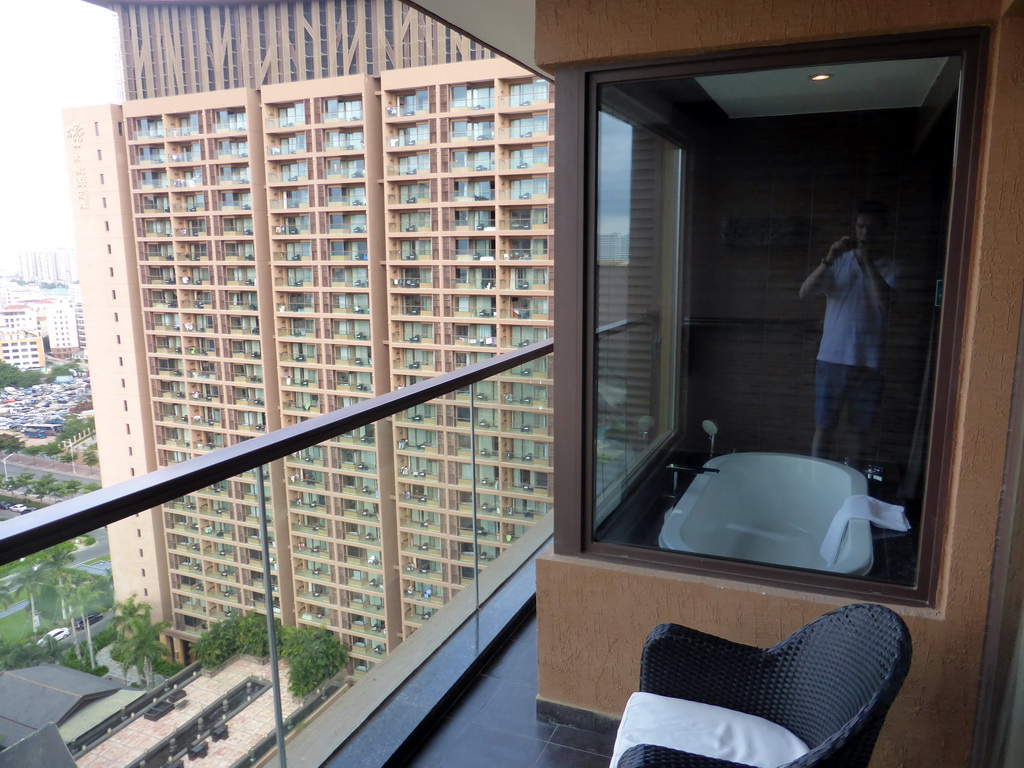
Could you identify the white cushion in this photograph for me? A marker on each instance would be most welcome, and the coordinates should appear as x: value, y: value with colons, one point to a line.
x: 703, y: 729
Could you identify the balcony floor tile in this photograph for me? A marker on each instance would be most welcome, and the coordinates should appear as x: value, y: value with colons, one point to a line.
x: 494, y: 722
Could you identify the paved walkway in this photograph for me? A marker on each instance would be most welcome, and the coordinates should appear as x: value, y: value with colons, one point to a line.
x: 42, y: 463
x: 245, y: 730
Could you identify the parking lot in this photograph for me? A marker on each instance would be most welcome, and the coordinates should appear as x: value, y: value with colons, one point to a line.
x: 38, y: 412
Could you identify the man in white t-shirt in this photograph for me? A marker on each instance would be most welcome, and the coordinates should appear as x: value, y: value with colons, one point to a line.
x: 857, y: 280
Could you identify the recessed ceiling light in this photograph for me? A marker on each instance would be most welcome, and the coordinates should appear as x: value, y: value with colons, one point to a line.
x: 820, y: 77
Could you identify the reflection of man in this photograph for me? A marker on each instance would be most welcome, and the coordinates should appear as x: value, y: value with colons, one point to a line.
x: 856, y: 279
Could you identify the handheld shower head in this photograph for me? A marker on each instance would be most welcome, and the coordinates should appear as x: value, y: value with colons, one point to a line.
x: 711, y: 429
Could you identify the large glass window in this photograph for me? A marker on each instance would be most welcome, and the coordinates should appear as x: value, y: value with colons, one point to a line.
x: 770, y: 253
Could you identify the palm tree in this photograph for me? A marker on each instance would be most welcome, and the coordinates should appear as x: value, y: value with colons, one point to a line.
x: 30, y: 579
x: 138, y: 644
x: 89, y: 593
x: 15, y: 654
x: 56, y: 560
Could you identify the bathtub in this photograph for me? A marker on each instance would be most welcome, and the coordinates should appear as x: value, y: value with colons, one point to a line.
x: 769, y: 508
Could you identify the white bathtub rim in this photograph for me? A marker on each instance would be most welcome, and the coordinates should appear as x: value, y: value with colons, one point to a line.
x: 853, y: 559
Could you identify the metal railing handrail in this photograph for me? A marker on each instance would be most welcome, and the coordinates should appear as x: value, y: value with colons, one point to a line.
x: 23, y: 536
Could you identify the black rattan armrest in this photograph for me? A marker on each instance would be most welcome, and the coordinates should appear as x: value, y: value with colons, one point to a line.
x: 651, y: 756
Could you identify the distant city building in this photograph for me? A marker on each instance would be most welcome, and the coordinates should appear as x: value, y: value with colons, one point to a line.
x: 57, y: 265
x: 52, y: 320
x: 22, y: 349
x: 613, y: 247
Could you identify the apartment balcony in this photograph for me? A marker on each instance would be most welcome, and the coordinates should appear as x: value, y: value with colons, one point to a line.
x: 399, y: 255
x: 284, y: 177
x: 291, y: 205
x: 283, y: 123
x: 472, y: 166
x: 225, y: 564
x: 344, y: 172
x: 231, y: 126
x: 408, y: 170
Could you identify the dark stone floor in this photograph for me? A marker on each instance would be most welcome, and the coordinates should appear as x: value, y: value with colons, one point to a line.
x: 494, y: 724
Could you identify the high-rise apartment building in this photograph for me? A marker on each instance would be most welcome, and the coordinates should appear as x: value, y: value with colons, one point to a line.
x: 374, y: 211
x: 56, y: 265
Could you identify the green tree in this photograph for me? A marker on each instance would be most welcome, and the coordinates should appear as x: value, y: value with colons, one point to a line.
x: 10, y: 376
x: 16, y: 654
x: 56, y: 561
x: 91, y: 456
x: 64, y: 369
x: 313, y: 655
x: 30, y: 579
x: 217, y: 644
x: 52, y: 449
x: 44, y: 485
x: 138, y: 644
x: 11, y: 443
x: 90, y: 487
x: 68, y: 488
x: 23, y: 481
x: 75, y: 425
x: 89, y: 594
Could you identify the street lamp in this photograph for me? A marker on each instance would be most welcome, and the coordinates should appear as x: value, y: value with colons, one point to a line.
x: 4, y: 460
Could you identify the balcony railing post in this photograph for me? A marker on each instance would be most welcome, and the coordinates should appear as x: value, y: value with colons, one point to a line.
x: 268, y: 592
x: 472, y: 468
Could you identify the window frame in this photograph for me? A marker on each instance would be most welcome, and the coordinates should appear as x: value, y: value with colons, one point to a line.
x: 575, y: 190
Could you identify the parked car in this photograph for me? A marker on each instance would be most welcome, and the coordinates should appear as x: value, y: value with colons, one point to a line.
x: 5, y: 505
x: 56, y: 635
x: 92, y: 618
x: 19, y: 508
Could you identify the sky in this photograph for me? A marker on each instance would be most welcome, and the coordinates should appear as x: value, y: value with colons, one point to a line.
x: 62, y: 53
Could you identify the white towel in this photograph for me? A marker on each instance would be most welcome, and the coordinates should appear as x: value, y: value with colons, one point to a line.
x: 860, y: 508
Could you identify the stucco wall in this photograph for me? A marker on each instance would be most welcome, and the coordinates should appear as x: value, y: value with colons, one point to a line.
x: 578, y: 31
x: 593, y: 615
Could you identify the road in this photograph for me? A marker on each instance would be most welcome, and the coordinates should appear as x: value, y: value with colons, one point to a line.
x: 16, y: 469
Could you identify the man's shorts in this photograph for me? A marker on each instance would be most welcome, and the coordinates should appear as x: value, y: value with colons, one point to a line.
x: 857, y: 386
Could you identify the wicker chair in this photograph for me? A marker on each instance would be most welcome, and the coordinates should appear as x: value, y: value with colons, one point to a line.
x: 830, y: 683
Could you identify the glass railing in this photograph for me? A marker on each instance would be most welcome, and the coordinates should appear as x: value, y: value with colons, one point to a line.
x: 373, y: 522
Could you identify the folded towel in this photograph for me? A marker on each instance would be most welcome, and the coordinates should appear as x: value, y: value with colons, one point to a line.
x: 860, y: 508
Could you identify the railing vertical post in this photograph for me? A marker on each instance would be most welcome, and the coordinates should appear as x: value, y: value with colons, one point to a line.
x: 275, y: 677
x: 472, y: 469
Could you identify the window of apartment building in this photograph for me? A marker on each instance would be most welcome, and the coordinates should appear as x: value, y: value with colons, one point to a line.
x: 528, y: 157
x: 777, y: 250
x: 343, y: 109
x: 525, y: 127
x: 525, y: 94
x: 472, y: 97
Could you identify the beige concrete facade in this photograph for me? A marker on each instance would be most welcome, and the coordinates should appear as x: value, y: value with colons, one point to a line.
x: 310, y: 245
x: 103, y: 226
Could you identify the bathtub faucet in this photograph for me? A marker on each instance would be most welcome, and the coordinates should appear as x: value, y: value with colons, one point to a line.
x: 692, y: 470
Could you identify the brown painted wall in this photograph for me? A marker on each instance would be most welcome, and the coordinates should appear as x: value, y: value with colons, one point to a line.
x: 588, y: 31
x: 594, y: 615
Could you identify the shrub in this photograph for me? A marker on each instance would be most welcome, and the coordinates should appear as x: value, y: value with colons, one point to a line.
x: 167, y: 668
x: 103, y: 638
x: 71, y: 661
x: 88, y: 541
